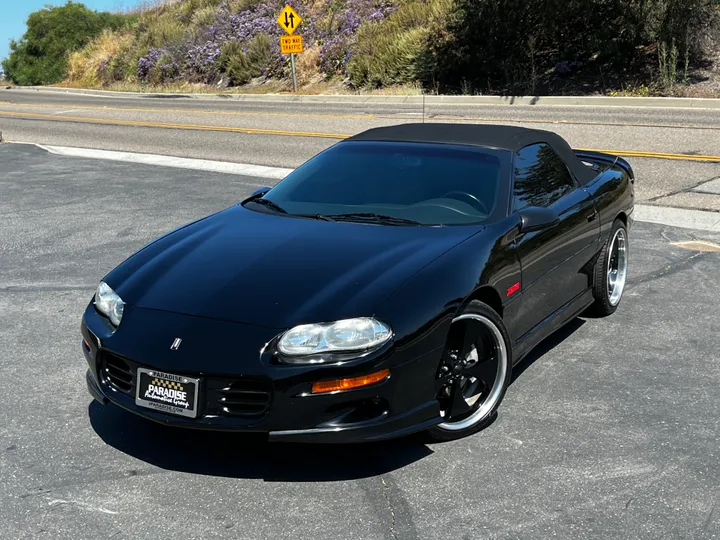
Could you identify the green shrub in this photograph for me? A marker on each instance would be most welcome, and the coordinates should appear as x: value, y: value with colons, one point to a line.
x: 189, y: 8
x: 236, y: 6
x: 260, y: 49
x: 40, y: 56
x: 204, y: 16
x: 235, y: 63
x: 383, y: 59
x: 160, y: 32
x: 165, y: 70
x: 392, y: 51
x: 242, y: 66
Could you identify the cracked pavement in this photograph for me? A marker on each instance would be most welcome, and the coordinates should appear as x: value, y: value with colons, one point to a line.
x: 609, y: 430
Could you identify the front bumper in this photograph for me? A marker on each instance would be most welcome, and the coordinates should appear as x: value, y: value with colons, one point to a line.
x: 402, y: 404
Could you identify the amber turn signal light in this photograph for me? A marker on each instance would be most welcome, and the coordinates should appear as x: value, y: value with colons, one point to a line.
x: 340, y: 385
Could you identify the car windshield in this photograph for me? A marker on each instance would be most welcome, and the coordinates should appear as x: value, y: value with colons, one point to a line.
x: 393, y: 184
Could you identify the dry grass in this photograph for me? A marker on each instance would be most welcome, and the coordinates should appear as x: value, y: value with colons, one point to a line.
x: 410, y: 89
x: 84, y: 65
x: 256, y: 87
x: 696, y: 92
x: 307, y: 66
x: 148, y: 5
x: 171, y: 88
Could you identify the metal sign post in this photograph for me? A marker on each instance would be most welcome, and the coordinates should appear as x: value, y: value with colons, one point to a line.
x: 292, y: 64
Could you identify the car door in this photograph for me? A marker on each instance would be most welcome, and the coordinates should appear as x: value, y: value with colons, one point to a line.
x: 551, y: 259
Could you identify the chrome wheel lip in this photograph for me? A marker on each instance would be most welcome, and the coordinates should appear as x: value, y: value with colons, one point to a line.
x: 616, y: 273
x: 488, y: 405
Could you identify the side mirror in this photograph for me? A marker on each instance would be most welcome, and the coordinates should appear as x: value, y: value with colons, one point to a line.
x: 260, y: 191
x: 535, y: 218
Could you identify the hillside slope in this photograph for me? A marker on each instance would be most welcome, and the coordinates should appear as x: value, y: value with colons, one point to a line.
x: 233, y: 42
x: 665, y: 47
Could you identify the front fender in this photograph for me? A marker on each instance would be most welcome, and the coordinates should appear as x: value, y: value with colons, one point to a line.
x: 421, y: 311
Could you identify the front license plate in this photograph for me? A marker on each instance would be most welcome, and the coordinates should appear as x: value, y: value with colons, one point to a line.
x: 165, y: 392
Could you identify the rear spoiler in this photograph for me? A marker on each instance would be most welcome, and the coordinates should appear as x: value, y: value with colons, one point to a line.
x: 602, y: 162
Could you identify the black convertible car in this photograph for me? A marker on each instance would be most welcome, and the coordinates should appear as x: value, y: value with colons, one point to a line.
x: 385, y: 287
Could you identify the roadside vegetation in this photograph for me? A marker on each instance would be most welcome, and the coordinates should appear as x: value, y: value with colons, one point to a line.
x: 510, y: 47
x: 40, y: 56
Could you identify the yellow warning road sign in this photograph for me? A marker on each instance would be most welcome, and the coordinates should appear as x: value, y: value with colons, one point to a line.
x: 291, y: 44
x: 289, y: 20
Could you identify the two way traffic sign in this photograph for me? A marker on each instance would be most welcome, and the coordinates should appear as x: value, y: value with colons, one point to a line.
x: 289, y: 20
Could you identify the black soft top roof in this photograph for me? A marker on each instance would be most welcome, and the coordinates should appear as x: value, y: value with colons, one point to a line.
x: 511, y: 138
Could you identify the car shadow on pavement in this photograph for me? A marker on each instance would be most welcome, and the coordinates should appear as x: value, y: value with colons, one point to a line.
x: 546, y: 345
x: 239, y: 455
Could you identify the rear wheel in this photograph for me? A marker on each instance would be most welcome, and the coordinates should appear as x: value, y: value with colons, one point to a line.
x: 473, y: 374
x: 610, y: 272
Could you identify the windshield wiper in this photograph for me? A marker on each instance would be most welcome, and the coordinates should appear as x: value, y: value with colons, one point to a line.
x: 320, y: 217
x: 269, y: 204
x: 368, y: 217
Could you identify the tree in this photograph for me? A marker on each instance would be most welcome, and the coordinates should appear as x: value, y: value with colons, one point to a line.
x: 40, y: 56
x: 509, y: 45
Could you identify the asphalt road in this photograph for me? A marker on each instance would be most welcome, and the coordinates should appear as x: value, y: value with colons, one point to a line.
x: 287, y: 134
x: 610, y: 429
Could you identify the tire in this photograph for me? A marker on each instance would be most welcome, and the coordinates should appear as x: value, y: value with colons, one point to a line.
x: 606, y: 290
x: 492, y: 354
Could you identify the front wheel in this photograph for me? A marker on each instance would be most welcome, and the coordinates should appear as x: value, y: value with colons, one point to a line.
x: 474, y: 372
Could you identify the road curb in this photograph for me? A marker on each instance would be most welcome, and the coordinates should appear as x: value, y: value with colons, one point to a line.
x: 685, y: 218
x: 567, y: 101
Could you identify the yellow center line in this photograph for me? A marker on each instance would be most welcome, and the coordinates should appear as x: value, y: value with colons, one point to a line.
x: 655, y: 155
x: 578, y: 123
x: 108, y: 121
x: 442, y: 118
x: 203, y: 111
x: 339, y: 136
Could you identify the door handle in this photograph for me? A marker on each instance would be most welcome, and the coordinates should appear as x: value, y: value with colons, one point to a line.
x: 592, y: 217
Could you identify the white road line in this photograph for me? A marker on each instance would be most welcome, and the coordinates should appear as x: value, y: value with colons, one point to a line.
x: 675, y: 217
x: 259, y: 171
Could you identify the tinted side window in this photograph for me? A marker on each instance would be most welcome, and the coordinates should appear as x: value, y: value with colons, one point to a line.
x: 541, y: 177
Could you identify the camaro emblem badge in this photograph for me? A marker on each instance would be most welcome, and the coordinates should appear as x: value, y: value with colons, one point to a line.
x: 176, y: 344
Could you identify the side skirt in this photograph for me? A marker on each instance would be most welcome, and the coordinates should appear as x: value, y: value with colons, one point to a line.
x: 550, y: 324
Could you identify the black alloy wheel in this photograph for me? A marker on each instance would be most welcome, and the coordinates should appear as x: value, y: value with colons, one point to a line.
x: 474, y: 372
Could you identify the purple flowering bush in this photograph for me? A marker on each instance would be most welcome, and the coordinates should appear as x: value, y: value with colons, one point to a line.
x: 201, y: 61
x: 204, y: 52
x: 147, y: 63
x: 339, y: 35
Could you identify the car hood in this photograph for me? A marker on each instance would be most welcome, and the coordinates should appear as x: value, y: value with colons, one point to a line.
x: 277, y: 271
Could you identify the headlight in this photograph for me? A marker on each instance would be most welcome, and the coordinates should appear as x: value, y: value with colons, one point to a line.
x: 109, y: 303
x: 350, y: 335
